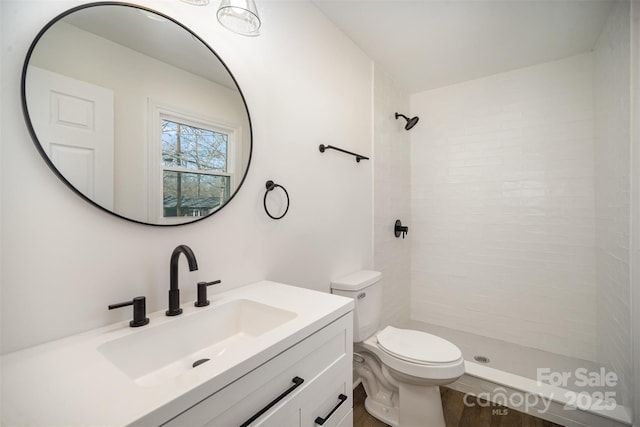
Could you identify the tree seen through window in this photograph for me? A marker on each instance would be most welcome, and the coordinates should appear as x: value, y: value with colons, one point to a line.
x: 195, y: 169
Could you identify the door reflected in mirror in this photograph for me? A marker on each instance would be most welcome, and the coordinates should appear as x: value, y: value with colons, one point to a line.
x: 136, y: 114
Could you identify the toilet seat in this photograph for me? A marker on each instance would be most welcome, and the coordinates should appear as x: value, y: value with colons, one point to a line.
x: 417, y: 347
x: 420, y: 369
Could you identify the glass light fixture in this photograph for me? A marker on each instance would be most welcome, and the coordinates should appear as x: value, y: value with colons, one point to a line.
x: 197, y: 2
x: 240, y: 16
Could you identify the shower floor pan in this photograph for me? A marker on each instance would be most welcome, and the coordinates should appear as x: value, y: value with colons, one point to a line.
x: 507, y: 374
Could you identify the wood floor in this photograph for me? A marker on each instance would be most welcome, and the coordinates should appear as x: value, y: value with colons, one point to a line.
x: 456, y: 413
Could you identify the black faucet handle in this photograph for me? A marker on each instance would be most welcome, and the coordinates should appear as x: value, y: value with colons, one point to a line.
x: 139, y: 311
x: 202, y: 293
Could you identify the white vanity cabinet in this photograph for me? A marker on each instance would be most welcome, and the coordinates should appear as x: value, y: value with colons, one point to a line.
x: 311, y: 379
x: 251, y: 343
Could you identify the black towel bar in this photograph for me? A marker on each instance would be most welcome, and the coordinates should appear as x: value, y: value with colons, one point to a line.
x: 331, y: 147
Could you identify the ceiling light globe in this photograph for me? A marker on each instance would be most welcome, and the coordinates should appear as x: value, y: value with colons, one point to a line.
x: 239, y: 16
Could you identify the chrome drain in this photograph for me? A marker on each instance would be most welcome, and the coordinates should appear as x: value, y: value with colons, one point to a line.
x: 481, y: 359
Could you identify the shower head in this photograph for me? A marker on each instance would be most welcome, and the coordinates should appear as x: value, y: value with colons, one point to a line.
x: 411, y: 122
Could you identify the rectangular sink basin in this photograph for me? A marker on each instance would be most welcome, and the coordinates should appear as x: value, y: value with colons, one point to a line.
x: 156, y: 354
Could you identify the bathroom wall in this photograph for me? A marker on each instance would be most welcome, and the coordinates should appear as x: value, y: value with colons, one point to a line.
x: 305, y: 83
x: 635, y: 197
x: 613, y: 194
x: 391, y: 185
x: 502, y: 176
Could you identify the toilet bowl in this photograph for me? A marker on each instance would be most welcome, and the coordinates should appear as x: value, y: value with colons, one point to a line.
x: 400, y: 369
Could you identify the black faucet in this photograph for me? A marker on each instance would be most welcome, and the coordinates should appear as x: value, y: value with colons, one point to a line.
x: 174, y: 291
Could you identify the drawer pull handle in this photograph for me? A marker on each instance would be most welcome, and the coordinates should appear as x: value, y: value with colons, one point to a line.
x: 320, y: 421
x: 297, y: 381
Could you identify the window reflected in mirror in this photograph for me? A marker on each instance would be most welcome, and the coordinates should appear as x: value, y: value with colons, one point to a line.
x: 195, y: 168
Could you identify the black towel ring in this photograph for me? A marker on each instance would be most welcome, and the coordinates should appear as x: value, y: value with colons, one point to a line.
x: 271, y: 186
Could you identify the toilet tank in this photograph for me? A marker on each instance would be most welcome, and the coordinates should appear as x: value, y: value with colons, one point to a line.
x: 365, y: 289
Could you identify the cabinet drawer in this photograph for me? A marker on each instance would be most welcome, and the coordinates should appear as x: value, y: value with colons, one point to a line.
x: 347, y: 421
x: 241, y: 399
x: 328, y: 398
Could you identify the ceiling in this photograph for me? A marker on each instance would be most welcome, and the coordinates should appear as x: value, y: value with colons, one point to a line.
x: 425, y: 44
x: 154, y: 36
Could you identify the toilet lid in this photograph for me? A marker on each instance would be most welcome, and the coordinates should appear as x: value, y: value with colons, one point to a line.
x: 417, y: 347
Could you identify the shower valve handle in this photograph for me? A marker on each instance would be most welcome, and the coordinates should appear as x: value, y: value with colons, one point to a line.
x: 400, y: 229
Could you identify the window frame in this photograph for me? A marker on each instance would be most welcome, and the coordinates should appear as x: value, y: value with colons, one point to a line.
x: 158, y: 113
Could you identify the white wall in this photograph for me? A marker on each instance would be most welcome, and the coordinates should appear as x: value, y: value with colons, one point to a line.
x: 305, y: 82
x: 70, y: 51
x: 613, y: 194
x: 392, y: 256
x: 635, y: 211
x: 503, y: 241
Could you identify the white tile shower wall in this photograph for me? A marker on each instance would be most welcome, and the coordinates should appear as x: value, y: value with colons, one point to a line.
x: 391, y: 187
x: 64, y: 261
x: 612, y: 191
x: 503, y: 240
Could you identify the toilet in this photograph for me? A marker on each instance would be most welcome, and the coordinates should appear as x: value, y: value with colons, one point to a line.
x: 400, y: 369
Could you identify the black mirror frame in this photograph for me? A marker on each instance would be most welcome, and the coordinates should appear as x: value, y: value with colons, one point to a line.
x: 34, y: 137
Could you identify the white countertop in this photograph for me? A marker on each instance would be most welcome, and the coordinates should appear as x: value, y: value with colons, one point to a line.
x: 68, y: 382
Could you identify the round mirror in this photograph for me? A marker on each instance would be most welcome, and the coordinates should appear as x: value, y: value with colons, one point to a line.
x: 135, y: 113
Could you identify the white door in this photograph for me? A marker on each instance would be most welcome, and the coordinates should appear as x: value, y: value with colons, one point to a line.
x: 74, y: 124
